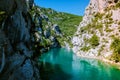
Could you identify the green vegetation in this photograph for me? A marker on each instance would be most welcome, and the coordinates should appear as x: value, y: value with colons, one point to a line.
x: 2, y: 12
x: 115, y: 46
x: 108, y: 15
x: 118, y: 5
x: 65, y: 39
x: 94, y: 40
x: 67, y: 22
x: 45, y: 42
x: 113, y: 7
x: 107, y: 28
x: 85, y: 48
x: 96, y: 24
x: 119, y: 23
x: 91, y: 27
x: 98, y: 15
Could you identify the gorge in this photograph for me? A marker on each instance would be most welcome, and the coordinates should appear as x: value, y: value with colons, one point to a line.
x: 36, y: 42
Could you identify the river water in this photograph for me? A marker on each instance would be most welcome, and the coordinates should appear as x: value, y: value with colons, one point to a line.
x: 63, y: 64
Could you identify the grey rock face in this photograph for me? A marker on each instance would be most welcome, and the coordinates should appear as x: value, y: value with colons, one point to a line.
x: 25, y: 72
x: 17, y: 36
x: 55, y: 42
x: 30, y: 3
x: 57, y: 29
x: 12, y: 63
x: 16, y: 28
x: 45, y: 17
x: 47, y: 33
x: 5, y: 42
x: 9, y: 6
x: 23, y: 49
x: 38, y: 20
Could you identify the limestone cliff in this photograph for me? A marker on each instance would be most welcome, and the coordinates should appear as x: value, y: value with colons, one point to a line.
x: 16, y: 52
x: 98, y: 33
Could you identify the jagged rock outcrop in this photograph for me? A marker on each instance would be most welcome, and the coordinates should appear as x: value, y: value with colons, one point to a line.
x: 99, y: 30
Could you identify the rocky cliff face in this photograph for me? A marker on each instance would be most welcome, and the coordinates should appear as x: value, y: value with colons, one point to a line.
x: 16, y: 51
x: 98, y: 33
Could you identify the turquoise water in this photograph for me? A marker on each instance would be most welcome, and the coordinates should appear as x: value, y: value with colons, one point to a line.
x: 61, y: 64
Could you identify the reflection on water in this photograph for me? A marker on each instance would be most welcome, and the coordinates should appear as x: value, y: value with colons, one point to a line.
x: 60, y: 64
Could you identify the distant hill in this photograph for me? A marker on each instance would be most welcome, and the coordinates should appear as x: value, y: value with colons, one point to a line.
x: 67, y: 23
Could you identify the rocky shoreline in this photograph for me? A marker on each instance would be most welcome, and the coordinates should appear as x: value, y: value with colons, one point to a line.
x: 101, y: 59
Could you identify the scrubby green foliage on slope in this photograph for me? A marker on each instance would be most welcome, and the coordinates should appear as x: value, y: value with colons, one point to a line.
x: 115, y: 46
x: 67, y: 22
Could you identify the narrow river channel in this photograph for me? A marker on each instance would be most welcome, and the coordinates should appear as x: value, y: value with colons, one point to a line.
x: 62, y: 64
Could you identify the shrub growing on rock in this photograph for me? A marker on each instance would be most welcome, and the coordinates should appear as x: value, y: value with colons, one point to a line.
x: 85, y: 48
x: 115, y: 46
x: 118, y: 5
x: 94, y: 40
